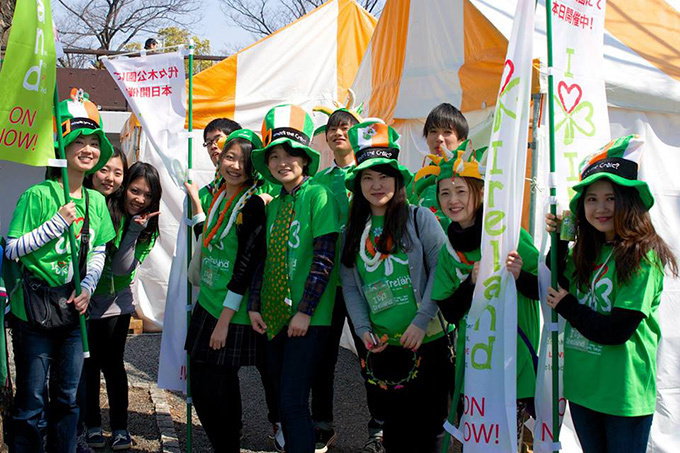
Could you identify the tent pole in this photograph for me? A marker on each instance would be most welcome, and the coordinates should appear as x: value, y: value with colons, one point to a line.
x: 71, y: 229
x: 189, y: 231
x: 554, y: 239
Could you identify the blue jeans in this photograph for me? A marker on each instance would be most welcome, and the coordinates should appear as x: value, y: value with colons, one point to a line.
x: 292, y: 363
x: 604, y: 433
x: 37, y: 353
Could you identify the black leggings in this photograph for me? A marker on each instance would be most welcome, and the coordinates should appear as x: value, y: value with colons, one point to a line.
x: 107, y: 338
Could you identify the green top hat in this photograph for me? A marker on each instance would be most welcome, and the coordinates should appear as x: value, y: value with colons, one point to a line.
x: 286, y: 124
x: 374, y: 143
x: 80, y: 116
x: 618, y: 162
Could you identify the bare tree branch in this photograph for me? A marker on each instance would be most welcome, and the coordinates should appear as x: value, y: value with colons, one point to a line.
x: 115, y: 23
x: 263, y: 17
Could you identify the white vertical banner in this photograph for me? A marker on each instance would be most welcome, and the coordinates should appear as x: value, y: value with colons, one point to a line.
x: 490, y: 387
x: 581, y: 127
x: 154, y: 86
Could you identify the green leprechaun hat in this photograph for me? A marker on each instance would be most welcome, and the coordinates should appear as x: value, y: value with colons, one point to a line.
x: 286, y: 124
x: 618, y: 162
x: 374, y: 143
x: 244, y: 134
x: 80, y: 116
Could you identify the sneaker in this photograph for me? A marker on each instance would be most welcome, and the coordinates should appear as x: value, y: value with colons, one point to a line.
x: 121, y: 440
x: 95, y: 438
x: 279, y: 441
x: 324, y: 439
x: 374, y: 445
x: 82, y: 446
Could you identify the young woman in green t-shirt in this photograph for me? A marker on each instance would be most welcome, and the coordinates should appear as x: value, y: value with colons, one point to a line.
x: 291, y: 300
x: 388, y: 261
x: 134, y: 210
x: 460, y: 190
x: 38, y: 239
x: 614, y: 275
x: 220, y: 339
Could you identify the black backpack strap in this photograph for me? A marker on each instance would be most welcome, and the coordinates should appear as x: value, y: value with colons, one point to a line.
x: 84, y: 237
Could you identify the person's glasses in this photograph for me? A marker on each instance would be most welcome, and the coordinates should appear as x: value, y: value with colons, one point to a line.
x: 210, y: 143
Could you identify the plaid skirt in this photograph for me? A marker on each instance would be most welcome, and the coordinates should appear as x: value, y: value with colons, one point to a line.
x: 244, y: 346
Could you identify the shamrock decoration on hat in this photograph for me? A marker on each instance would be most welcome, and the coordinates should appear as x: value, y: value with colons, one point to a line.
x: 374, y: 143
x: 286, y: 124
x: 80, y: 116
x: 618, y: 162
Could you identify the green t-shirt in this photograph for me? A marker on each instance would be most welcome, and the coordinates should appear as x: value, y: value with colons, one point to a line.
x: 315, y: 214
x: 452, y: 270
x: 616, y: 379
x: 333, y: 178
x: 110, y: 284
x: 205, y: 197
x: 424, y: 193
x: 217, y: 268
x: 389, y: 292
x: 52, y: 262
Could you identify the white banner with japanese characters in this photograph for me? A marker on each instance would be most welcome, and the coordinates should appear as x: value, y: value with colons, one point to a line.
x: 490, y: 388
x: 581, y: 127
x: 153, y: 86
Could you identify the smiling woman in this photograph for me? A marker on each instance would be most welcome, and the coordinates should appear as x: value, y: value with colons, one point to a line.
x: 36, y: 238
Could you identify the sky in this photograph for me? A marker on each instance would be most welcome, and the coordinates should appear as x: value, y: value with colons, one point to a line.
x: 216, y: 26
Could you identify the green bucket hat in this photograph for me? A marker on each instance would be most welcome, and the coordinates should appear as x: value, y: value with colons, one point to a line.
x: 286, y: 124
x: 374, y: 143
x: 80, y: 116
x: 618, y: 162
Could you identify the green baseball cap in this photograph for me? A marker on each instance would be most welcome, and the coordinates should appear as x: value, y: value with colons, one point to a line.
x: 618, y: 162
x: 290, y: 125
x: 80, y: 116
x: 374, y: 143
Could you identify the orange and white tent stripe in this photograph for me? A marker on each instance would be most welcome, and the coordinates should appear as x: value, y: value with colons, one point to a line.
x: 445, y: 50
x: 310, y: 62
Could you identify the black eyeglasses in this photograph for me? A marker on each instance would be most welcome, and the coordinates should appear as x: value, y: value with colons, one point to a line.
x: 209, y: 143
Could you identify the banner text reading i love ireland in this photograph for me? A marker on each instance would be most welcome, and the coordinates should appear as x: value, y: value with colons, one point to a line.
x: 488, y: 423
x: 27, y: 79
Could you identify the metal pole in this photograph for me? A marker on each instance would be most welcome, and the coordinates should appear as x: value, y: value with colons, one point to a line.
x: 71, y: 232
x: 554, y: 238
x: 536, y: 98
x: 189, y: 230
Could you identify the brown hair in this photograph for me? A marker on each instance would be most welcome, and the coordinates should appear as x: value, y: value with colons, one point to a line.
x: 476, y: 187
x: 635, y: 237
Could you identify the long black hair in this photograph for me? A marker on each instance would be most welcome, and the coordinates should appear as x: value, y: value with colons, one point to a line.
x: 396, y: 219
x: 117, y: 206
x: 87, y: 182
x: 246, y: 149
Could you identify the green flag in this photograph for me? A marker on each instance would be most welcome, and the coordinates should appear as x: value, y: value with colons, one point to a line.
x: 27, y: 79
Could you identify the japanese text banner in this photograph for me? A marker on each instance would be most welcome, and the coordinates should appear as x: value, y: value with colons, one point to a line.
x: 27, y: 80
x: 153, y: 86
x: 581, y: 127
x: 488, y: 423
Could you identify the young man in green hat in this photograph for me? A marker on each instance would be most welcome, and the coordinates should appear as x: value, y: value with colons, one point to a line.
x: 292, y: 295
x: 38, y: 239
